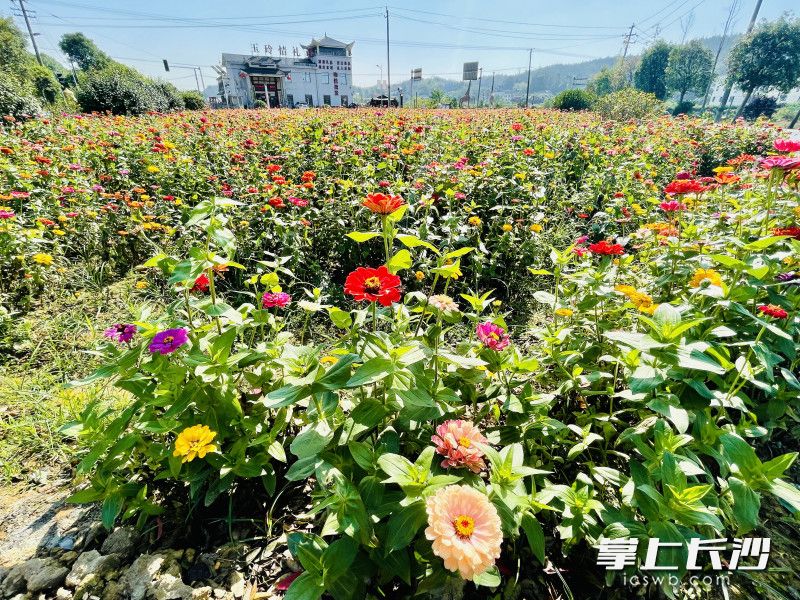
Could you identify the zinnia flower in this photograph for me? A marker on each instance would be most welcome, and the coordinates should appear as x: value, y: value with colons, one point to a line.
x: 166, y: 342
x: 605, y: 248
x: 194, y: 442
x: 685, y: 186
x: 455, y: 440
x: 42, y: 258
x: 787, y: 277
x: 672, y: 206
x: 773, y: 310
x: 564, y: 312
x: 201, y: 283
x: 709, y: 275
x: 492, y: 336
x: 120, y: 332
x: 383, y: 204
x: 465, y: 530
x: 273, y: 299
x: 790, y: 231
x: 786, y: 145
x: 782, y: 163
x: 6, y: 214
x: 443, y: 303
x: 373, y: 285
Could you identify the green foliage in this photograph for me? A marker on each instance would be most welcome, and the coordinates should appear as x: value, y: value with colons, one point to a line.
x: 83, y: 52
x: 760, y: 106
x: 259, y: 104
x: 768, y: 58
x: 628, y: 104
x: 650, y: 75
x: 14, y: 58
x: 193, y: 100
x: 172, y: 97
x: 15, y: 98
x: 123, y: 91
x: 573, y: 100
x: 683, y: 108
x: 45, y: 83
x: 689, y: 69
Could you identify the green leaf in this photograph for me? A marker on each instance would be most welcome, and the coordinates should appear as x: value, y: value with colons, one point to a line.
x: 340, y: 318
x: 411, y: 241
x: 400, y: 261
x: 395, y: 466
x: 87, y: 495
x: 777, y: 466
x: 311, y: 440
x: 286, y: 396
x: 309, y: 586
x: 746, y: 505
x: 111, y: 508
x: 371, y: 371
x: 490, y: 578
x: 764, y: 242
x: 533, y: 531
x: 403, y: 526
x: 337, y: 558
x: 362, y: 236
x: 459, y: 252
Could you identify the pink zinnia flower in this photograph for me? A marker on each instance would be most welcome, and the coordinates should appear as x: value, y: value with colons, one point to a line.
x: 465, y: 530
x: 121, y: 332
x: 784, y: 163
x: 166, y: 342
x: 7, y: 214
x: 786, y: 145
x: 455, y: 440
x: 492, y: 336
x: 672, y: 206
x: 273, y: 299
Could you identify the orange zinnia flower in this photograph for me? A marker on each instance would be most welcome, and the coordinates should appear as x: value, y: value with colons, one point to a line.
x: 383, y: 204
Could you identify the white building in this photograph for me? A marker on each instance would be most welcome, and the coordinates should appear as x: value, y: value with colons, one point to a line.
x: 324, y: 77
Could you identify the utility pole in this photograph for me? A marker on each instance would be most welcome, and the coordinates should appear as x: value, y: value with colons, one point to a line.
x: 30, y: 31
x: 728, y: 22
x: 491, y: 91
x: 724, y: 100
x: 528, y: 87
x: 480, y: 79
x: 388, y: 68
x: 628, y: 38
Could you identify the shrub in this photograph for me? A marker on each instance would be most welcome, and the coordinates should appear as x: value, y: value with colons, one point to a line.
x: 683, y: 108
x: 573, y: 100
x: 45, y: 83
x: 628, y: 104
x: 15, y: 99
x: 760, y: 106
x: 193, y: 100
x: 170, y: 95
x: 259, y: 104
x: 123, y: 91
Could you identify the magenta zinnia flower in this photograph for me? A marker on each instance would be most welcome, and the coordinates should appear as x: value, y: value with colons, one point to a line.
x: 492, y: 336
x: 784, y: 163
x: 120, y: 332
x: 786, y: 145
x: 166, y: 342
x: 273, y: 299
x: 7, y: 214
x: 455, y: 440
x: 672, y: 206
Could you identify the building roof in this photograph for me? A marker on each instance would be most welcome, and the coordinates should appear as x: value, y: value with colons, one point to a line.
x: 327, y: 42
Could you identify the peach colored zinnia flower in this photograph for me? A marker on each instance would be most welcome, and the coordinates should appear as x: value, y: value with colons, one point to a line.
x: 465, y: 530
x: 455, y: 440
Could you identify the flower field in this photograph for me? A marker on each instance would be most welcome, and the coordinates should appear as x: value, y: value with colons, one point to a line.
x: 460, y: 347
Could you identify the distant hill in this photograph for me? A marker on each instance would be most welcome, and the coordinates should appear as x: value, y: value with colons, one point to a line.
x: 545, y: 81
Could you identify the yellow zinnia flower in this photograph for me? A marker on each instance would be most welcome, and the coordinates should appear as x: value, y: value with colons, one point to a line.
x: 474, y: 221
x: 419, y: 275
x: 141, y: 285
x: 43, y: 259
x: 536, y: 228
x: 507, y: 227
x: 194, y: 442
x: 564, y: 312
x: 710, y: 275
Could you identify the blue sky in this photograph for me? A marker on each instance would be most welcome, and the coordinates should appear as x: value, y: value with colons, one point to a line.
x: 435, y: 35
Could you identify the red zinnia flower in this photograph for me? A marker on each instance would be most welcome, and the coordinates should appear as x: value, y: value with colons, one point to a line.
x: 672, y: 206
x: 383, y: 204
x: 790, y: 231
x: 773, y: 311
x: 605, y: 248
x: 201, y: 283
x: 685, y: 186
x: 366, y: 283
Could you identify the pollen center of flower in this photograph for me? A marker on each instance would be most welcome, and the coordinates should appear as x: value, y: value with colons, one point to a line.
x: 464, y: 526
x: 372, y: 285
x: 464, y: 441
x: 169, y: 339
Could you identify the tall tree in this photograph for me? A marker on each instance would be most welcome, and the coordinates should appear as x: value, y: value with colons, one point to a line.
x: 766, y: 59
x: 14, y: 57
x: 83, y: 51
x: 651, y: 74
x: 689, y: 69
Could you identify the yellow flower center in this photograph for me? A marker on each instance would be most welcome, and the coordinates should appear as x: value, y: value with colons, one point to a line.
x: 464, y: 526
x: 464, y: 441
x: 372, y: 285
x: 169, y: 339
